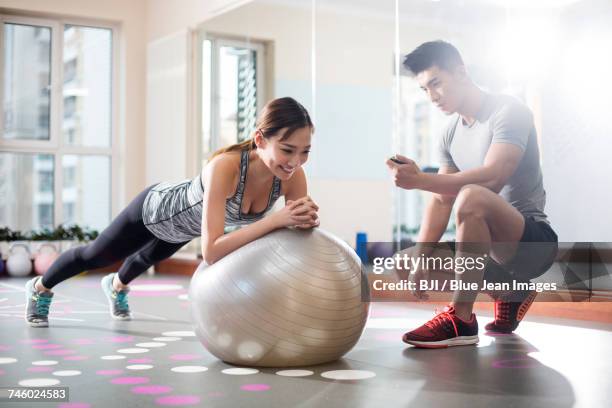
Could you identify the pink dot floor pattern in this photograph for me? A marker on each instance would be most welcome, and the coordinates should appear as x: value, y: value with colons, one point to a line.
x: 105, y: 363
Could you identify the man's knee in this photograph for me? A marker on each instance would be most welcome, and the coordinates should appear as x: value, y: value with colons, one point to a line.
x: 471, y: 202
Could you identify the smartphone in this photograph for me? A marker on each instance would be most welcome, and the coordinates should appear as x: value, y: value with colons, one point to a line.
x: 394, y: 160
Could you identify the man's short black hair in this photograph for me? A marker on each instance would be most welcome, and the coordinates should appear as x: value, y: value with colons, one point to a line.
x: 439, y: 53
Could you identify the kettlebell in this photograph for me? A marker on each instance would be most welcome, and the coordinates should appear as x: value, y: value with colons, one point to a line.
x: 44, y: 258
x: 19, y: 262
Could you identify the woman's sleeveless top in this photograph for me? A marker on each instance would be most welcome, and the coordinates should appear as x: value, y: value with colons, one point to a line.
x: 173, y: 211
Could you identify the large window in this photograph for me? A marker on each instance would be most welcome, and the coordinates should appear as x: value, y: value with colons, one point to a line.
x: 232, y: 90
x: 56, y: 123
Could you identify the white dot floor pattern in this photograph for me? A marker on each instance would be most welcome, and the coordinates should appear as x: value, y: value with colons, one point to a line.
x: 156, y: 360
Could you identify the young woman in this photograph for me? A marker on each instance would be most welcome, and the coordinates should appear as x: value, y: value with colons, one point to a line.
x: 237, y: 187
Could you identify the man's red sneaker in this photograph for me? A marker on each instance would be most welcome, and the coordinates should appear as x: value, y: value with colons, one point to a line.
x: 510, y: 310
x: 444, y: 330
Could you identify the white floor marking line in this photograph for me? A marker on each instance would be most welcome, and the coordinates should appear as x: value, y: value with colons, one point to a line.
x: 17, y: 288
x: 52, y: 317
x: 23, y: 304
x: 89, y: 312
x: 66, y: 319
x: 149, y: 315
x: 84, y: 301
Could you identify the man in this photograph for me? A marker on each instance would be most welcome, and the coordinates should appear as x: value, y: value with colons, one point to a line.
x: 490, y: 171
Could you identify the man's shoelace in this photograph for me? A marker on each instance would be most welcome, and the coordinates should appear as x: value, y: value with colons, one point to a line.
x: 439, y: 320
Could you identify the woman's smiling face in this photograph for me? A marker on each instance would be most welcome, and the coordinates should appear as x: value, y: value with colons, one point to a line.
x: 284, y: 156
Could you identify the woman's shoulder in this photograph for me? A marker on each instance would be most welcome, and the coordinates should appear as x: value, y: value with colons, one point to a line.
x: 228, y: 161
x: 225, y: 168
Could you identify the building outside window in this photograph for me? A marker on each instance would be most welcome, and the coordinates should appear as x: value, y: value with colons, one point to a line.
x: 232, y: 90
x: 57, y: 133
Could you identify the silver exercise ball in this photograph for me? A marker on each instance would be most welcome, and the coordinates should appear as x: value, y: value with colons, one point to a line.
x: 291, y: 298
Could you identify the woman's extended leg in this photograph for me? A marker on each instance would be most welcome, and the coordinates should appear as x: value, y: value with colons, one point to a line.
x: 125, y: 235
x: 115, y: 286
x: 152, y: 253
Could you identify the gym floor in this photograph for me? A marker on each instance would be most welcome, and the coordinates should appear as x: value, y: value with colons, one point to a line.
x: 155, y: 360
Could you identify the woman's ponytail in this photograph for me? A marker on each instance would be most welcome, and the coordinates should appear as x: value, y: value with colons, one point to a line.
x: 248, y: 144
x: 281, y: 113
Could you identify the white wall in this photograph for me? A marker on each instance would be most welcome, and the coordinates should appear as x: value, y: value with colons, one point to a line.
x: 170, y: 125
x: 167, y: 17
x: 167, y: 111
x: 130, y: 16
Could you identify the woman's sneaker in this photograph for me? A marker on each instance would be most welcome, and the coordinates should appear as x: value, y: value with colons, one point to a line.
x: 510, y: 309
x: 117, y: 300
x: 37, y: 304
x: 444, y: 330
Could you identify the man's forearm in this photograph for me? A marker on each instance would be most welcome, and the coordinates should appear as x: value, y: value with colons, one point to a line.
x: 450, y: 184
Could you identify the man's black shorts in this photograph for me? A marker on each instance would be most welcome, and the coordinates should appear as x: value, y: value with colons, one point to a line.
x: 535, y: 254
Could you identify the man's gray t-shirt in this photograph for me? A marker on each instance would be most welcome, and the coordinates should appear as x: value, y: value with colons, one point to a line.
x: 501, y: 119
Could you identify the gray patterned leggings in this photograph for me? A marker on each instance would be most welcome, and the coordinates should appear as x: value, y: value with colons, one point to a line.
x: 125, y: 238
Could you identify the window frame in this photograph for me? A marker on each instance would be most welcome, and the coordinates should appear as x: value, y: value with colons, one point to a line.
x: 55, y: 146
x: 218, y: 41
